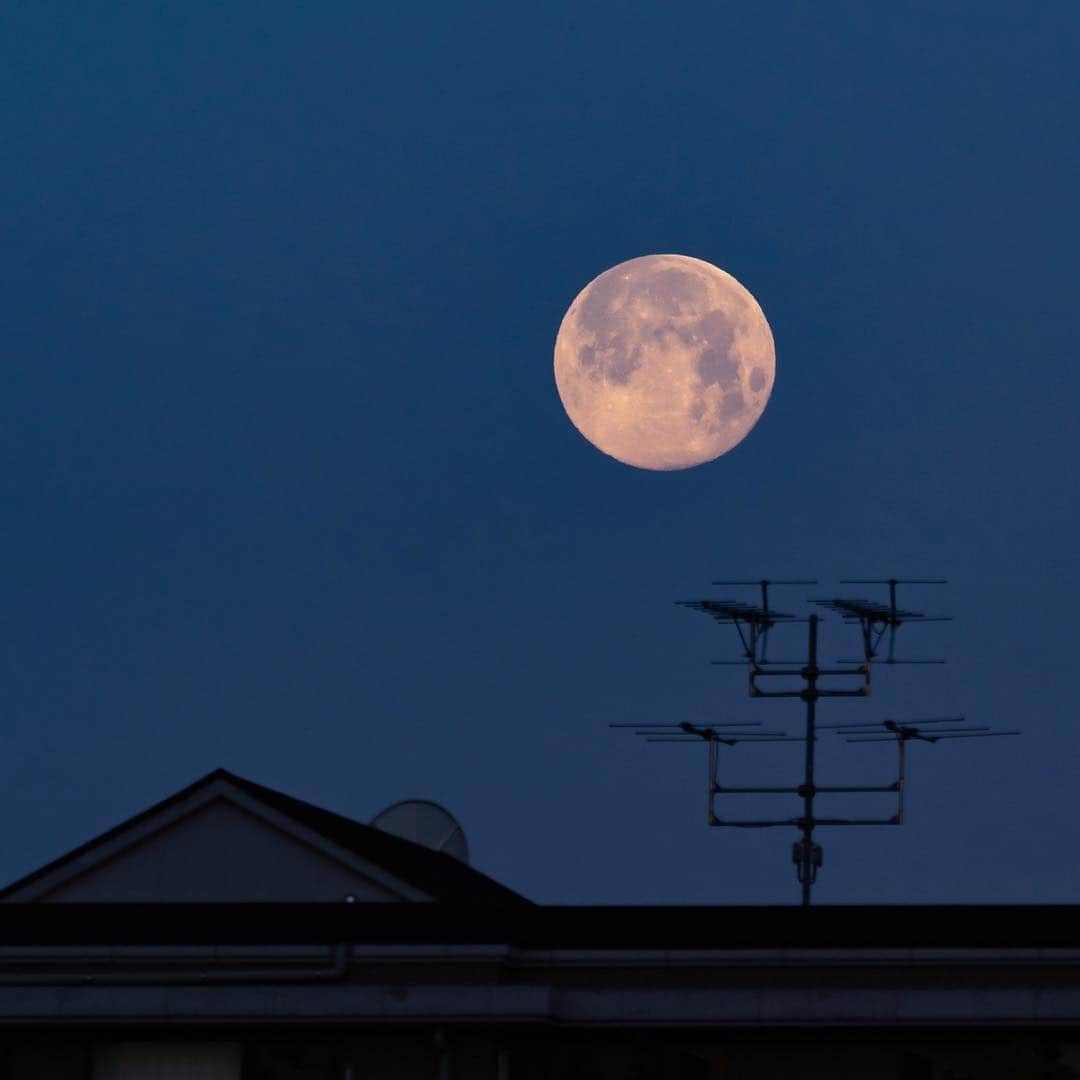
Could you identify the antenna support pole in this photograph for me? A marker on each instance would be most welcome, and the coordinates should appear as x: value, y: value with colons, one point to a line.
x: 810, y: 854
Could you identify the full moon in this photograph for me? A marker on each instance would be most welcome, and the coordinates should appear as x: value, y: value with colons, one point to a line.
x: 664, y: 362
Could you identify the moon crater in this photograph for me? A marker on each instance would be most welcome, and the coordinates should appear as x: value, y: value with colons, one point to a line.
x: 664, y: 362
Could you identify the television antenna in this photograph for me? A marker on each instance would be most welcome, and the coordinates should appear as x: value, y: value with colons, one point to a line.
x: 878, y: 622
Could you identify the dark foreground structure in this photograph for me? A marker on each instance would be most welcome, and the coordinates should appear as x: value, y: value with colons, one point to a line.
x: 234, y: 933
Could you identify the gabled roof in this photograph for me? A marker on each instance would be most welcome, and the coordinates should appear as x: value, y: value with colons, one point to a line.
x: 440, y: 876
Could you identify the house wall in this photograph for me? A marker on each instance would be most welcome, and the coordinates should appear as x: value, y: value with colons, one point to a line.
x: 430, y: 1053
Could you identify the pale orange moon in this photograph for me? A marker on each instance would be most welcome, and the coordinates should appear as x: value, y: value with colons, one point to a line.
x: 664, y: 362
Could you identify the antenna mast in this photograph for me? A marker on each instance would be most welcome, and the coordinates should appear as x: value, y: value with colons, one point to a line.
x: 877, y: 622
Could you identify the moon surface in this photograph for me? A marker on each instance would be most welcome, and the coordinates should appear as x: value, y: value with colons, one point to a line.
x: 664, y: 362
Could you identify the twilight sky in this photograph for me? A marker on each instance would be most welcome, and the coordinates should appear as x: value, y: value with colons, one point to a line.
x: 288, y: 488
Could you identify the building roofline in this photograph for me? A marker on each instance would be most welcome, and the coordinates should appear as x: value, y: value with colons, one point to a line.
x: 961, y: 926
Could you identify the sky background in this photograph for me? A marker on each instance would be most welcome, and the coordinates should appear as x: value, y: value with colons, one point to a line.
x: 288, y: 488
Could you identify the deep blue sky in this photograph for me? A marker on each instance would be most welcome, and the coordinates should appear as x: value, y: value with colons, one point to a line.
x: 287, y: 486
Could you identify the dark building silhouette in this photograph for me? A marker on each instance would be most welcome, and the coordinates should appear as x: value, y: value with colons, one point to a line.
x: 232, y: 932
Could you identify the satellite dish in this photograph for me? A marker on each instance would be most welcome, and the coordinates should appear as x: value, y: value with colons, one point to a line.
x: 424, y: 822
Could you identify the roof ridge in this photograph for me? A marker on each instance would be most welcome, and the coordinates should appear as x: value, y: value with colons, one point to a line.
x: 116, y: 830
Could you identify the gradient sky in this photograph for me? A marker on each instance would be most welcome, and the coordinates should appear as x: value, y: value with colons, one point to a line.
x: 287, y: 486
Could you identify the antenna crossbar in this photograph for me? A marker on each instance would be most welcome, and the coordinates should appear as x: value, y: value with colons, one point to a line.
x: 877, y: 620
